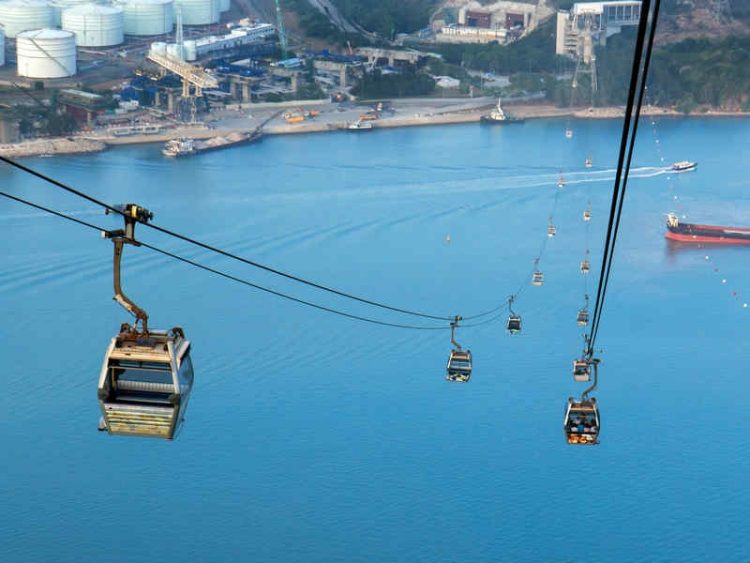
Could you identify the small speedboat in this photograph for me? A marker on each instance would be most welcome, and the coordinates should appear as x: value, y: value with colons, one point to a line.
x: 684, y: 166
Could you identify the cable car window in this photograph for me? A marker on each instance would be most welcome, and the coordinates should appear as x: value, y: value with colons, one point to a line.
x: 185, y: 374
x: 151, y: 373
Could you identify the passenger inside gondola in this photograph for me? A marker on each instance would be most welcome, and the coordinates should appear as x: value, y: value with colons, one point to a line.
x: 581, y: 425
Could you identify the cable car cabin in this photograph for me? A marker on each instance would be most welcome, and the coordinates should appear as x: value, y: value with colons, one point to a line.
x: 588, y: 163
x: 537, y: 278
x: 585, y: 266
x: 587, y: 215
x: 581, y: 371
x: 583, y: 317
x: 551, y: 230
x: 514, y: 324
x: 459, y: 366
x: 145, y: 384
x: 581, y: 422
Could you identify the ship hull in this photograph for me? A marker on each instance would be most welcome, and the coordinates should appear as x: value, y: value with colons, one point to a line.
x: 708, y: 234
x: 200, y: 147
x: 486, y: 120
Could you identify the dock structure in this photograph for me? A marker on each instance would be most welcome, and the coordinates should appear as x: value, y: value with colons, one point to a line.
x: 587, y: 24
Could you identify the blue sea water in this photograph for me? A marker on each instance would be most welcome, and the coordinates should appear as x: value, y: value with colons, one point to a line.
x: 315, y: 438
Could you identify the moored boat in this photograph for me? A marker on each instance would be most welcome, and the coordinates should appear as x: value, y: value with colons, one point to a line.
x: 179, y: 147
x: 186, y: 146
x: 360, y: 125
x: 705, y: 234
x: 498, y: 116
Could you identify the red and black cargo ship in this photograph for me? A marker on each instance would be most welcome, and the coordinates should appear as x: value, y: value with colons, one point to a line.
x: 705, y: 234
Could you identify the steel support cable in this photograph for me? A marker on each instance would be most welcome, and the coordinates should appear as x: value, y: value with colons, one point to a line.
x: 537, y: 259
x: 236, y: 257
x: 623, y: 168
x: 631, y: 148
x: 224, y: 274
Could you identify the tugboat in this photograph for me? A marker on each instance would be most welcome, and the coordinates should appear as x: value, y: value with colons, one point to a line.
x: 498, y: 116
x: 684, y: 166
x: 705, y: 234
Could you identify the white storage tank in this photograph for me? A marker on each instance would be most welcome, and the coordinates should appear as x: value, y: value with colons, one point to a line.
x: 189, y: 50
x: 94, y: 26
x: 198, y: 12
x: 174, y: 51
x: 159, y: 47
x: 224, y: 5
x: 21, y: 15
x: 147, y: 17
x: 46, y: 53
x: 59, y: 5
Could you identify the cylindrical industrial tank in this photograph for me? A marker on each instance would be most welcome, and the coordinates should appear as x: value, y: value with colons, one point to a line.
x: 21, y: 15
x: 198, y: 12
x: 94, y: 26
x: 59, y: 5
x: 189, y: 50
x: 147, y: 17
x: 159, y: 47
x: 224, y: 5
x: 46, y: 53
x: 175, y: 51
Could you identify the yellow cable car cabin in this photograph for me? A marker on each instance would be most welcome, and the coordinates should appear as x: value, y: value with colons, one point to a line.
x: 581, y: 423
x: 145, y: 384
x: 459, y: 366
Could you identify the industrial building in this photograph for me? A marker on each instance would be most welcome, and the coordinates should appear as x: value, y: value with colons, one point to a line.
x: 587, y: 24
x: 474, y: 22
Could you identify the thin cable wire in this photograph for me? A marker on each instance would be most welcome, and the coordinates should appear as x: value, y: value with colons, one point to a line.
x: 236, y: 257
x: 631, y: 147
x: 626, y: 145
x: 224, y: 274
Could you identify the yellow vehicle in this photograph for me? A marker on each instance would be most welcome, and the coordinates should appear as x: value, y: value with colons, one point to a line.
x: 295, y: 119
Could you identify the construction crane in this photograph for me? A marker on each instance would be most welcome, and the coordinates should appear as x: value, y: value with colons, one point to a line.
x: 280, y: 29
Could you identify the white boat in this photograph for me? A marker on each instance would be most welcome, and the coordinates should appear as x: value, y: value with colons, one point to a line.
x: 360, y: 125
x: 568, y: 133
x: 684, y: 166
x: 179, y: 147
x: 497, y: 115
